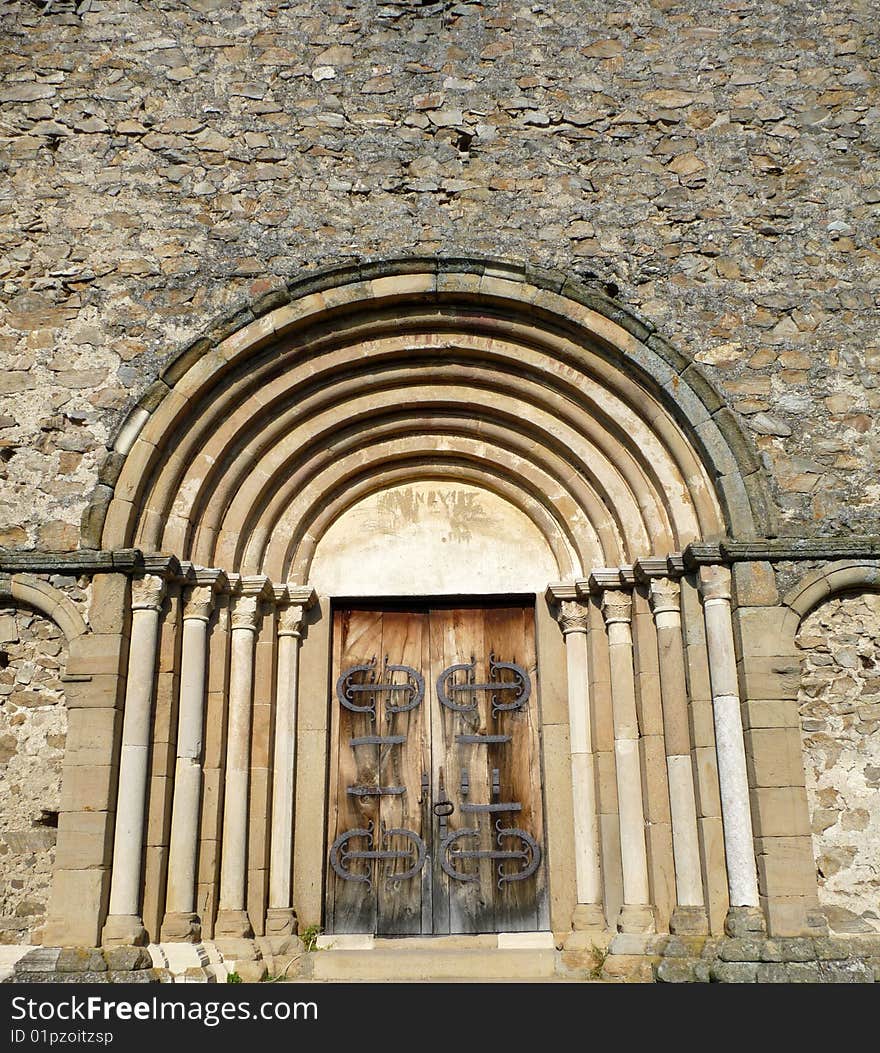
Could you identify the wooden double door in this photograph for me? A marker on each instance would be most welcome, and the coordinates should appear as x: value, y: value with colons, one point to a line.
x: 435, y: 814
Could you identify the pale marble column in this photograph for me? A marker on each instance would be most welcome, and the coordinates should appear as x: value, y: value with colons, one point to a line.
x: 181, y: 922
x: 733, y: 779
x: 637, y: 913
x: 573, y: 620
x: 232, y: 917
x: 124, y: 924
x: 690, y: 911
x: 281, y: 917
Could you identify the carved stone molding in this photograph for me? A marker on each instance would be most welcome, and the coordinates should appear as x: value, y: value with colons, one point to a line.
x: 290, y: 620
x: 246, y: 613
x: 147, y: 593
x: 573, y: 617
x: 199, y: 602
x: 715, y: 584
x: 664, y: 595
x: 616, y: 606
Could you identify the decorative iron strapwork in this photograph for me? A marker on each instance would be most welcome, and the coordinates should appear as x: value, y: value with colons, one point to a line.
x: 349, y: 689
x: 529, y: 855
x: 448, y: 689
x: 342, y: 855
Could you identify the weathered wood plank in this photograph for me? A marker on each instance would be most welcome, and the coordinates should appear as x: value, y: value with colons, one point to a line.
x: 400, y: 764
x: 354, y: 903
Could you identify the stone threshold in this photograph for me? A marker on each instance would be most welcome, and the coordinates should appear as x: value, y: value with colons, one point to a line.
x: 538, y: 957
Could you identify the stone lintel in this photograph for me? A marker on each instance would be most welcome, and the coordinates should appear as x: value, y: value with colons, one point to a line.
x: 600, y: 578
x: 790, y: 549
x: 559, y: 592
x: 627, y: 575
x: 163, y: 566
x: 300, y: 595
x: 702, y: 553
x: 209, y: 576
x: 675, y: 564
x: 649, y: 567
x: 82, y: 561
x: 256, y: 585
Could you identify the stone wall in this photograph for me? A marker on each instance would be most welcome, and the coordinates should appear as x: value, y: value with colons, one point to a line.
x: 33, y: 728
x: 712, y: 166
x: 840, y: 718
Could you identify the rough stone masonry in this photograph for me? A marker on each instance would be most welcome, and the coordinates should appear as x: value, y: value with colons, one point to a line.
x: 713, y: 166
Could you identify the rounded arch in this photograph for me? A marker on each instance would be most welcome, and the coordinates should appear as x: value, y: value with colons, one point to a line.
x: 47, y: 600
x: 576, y: 408
x: 820, y: 585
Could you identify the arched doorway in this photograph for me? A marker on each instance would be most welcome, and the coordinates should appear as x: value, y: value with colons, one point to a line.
x: 405, y: 441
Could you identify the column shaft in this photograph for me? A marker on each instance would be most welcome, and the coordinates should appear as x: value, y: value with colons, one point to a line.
x: 573, y: 619
x: 181, y: 920
x: 232, y: 919
x: 281, y: 917
x: 732, y: 775
x: 124, y: 924
x: 690, y: 913
x: 637, y: 914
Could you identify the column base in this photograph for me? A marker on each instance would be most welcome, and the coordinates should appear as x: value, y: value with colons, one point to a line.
x: 281, y: 921
x: 233, y: 923
x: 745, y: 921
x: 180, y: 927
x: 124, y: 930
x: 235, y: 949
x: 589, y: 917
x: 689, y: 921
x: 636, y: 917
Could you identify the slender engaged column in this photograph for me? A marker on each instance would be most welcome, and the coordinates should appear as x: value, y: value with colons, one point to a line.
x: 733, y: 779
x: 281, y: 917
x: 637, y: 913
x: 690, y: 911
x: 232, y: 917
x: 573, y: 620
x: 124, y: 924
x: 181, y: 921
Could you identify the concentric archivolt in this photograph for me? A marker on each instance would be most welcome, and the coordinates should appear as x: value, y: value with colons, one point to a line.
x: 271, y: 435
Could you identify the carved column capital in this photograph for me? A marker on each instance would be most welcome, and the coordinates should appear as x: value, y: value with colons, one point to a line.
x: 616, y: 606
x: 246, y: 613
x: 665, y: 596
x: 715, y: 583
x: 290, y: 620
x: 573, y: 617
x: 147, y: 593
x: 198, y: 602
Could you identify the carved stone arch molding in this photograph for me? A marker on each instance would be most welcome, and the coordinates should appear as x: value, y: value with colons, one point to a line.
x: 46, y: 599
x: 274, y: 434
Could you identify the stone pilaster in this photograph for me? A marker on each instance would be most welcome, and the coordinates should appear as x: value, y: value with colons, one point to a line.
x: 181, y: 920
x: 281, y: 917
x: 690, y: 911
x: 232, y: 917
x: 637, y: 913
x: 573, y: 619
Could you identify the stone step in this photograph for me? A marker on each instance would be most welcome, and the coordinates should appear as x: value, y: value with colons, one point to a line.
x: 450, y: 963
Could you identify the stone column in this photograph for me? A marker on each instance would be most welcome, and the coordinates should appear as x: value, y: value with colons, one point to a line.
x: 733, y: 780
x: 637, y: 913
x: 124, y: 924
x: 690, y: 914
x: 181, y: 922
x: 573, y: 620
x: 281, y: 917
x: 232, y: 917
